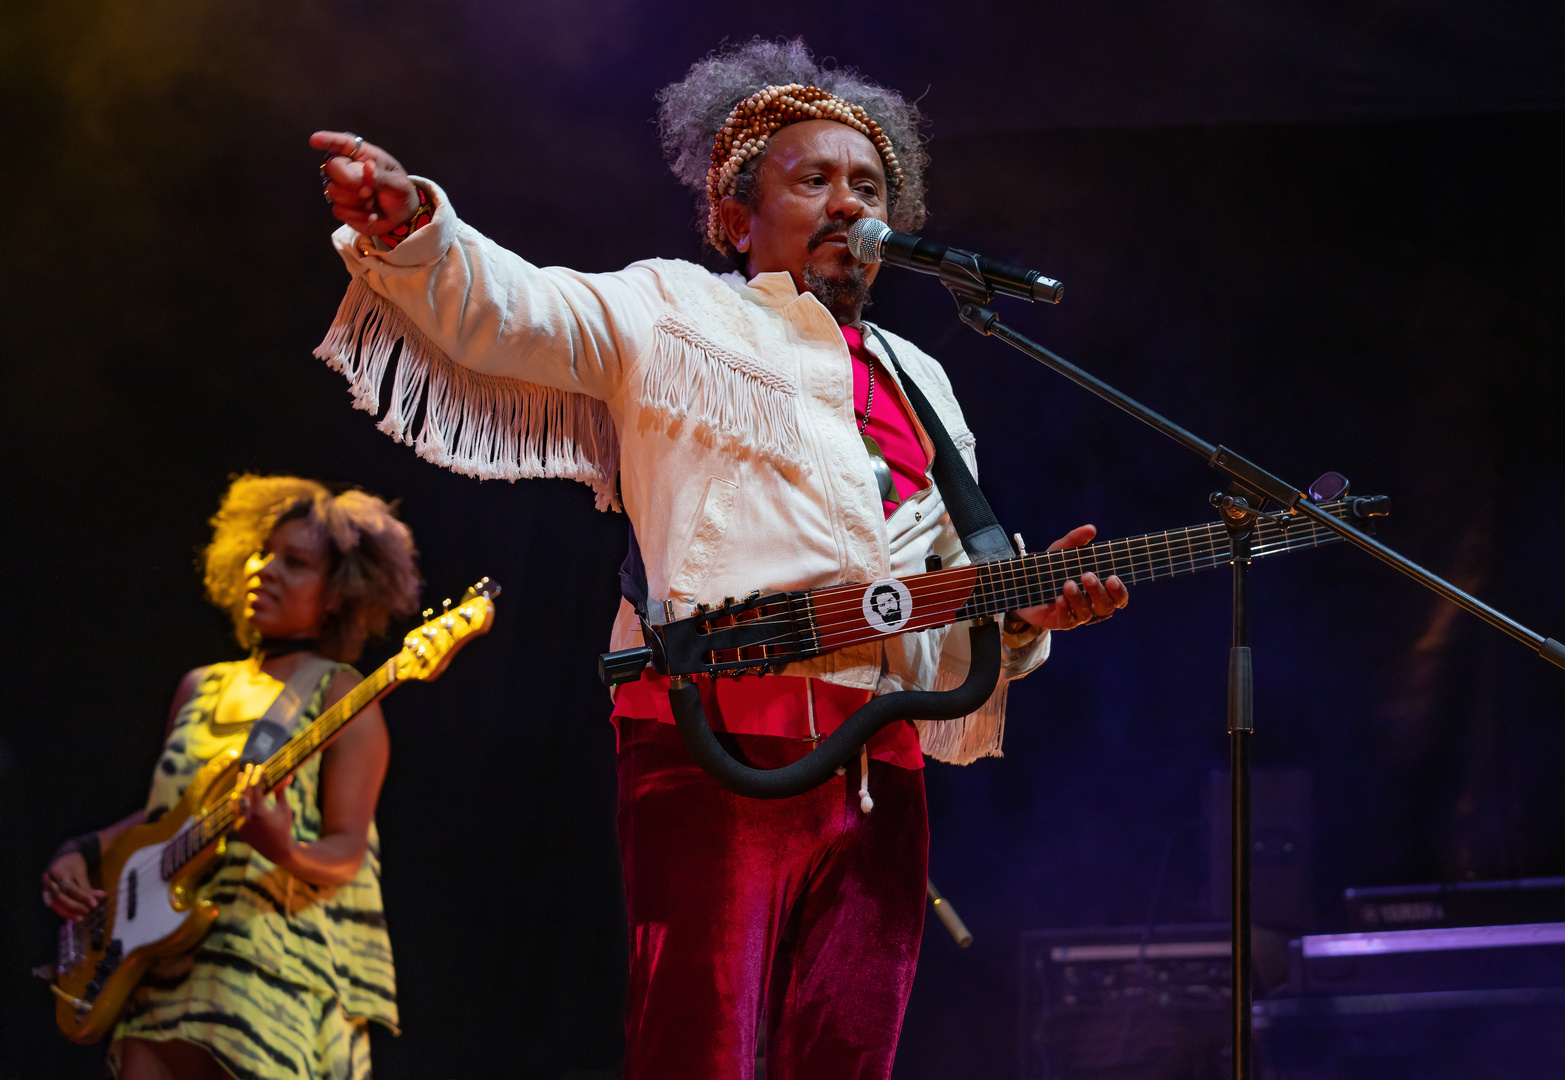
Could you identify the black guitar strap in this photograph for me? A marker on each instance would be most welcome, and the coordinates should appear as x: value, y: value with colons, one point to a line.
x: 976, y: 526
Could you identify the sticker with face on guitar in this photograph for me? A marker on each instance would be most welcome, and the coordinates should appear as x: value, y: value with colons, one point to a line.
x: 888, y: 605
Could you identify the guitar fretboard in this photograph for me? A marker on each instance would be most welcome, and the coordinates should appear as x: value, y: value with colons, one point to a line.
x: 943, y: 597
x: 219, y: 820
x: 1030, y: 580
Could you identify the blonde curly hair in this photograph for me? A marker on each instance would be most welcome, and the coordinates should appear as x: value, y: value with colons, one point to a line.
x: 372, y: 574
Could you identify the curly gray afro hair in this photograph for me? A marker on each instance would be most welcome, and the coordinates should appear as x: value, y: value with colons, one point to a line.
x: 692, y: 111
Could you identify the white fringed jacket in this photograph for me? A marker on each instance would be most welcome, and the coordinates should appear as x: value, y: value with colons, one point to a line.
x: 723, y: 408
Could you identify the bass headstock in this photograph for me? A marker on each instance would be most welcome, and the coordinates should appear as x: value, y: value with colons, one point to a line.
x: 426, y: 650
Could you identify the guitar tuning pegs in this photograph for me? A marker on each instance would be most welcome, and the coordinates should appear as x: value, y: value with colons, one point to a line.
x: 728, y: 601
x: 426, y: 613
x: 485, y: 587
x: 753, y: 594
x: 445, y: 605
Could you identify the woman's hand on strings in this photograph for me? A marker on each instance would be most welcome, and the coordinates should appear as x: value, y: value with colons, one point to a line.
x: 268, y: 825
x: 367, y: 187
x: 67, y: 889
x: 1079, y: 603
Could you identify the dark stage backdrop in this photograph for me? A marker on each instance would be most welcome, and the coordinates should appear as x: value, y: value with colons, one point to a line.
x: 1274, y: 229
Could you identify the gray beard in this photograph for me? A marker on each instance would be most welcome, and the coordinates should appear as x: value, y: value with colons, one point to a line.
x: 845, y: 297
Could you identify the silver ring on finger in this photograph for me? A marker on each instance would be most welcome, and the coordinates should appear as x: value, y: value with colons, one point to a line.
x: 358, y: 144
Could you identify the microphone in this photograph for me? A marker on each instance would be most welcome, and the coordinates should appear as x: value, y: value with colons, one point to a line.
x: 873, y: 241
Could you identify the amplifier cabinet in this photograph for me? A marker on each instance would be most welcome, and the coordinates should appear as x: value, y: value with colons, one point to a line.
x: 1117, y: 1003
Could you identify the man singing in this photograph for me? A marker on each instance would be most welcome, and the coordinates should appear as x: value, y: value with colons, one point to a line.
x: 754, y: 429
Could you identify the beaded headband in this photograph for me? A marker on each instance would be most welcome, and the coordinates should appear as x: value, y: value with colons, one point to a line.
x: 750, y: 126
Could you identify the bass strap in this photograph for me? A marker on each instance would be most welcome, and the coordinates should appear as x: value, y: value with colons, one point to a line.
x: 976, y: 526
x: 276, y: 724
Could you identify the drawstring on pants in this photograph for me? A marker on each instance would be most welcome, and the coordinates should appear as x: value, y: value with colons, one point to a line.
x: 866, y: 803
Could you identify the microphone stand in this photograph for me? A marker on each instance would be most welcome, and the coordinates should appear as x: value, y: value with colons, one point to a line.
x: 1249, y: 488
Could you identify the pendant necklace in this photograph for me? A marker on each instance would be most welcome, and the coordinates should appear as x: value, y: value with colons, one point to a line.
x: 883, y: 477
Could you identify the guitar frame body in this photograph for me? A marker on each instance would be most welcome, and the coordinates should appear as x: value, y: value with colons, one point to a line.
x: 142, y: 917
x: 764, y: 633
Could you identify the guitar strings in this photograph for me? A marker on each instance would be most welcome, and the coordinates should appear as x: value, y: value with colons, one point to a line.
x: 1049, y: 570
x: 1160, y: 561
x: 1021, y: 584
x: 1158, y: 550
x: 1007, y: 589
x: 219, y: 818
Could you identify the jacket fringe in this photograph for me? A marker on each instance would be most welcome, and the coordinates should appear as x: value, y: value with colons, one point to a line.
x: 966, y: 739
x: 479, y: 425
x: 731, y: 397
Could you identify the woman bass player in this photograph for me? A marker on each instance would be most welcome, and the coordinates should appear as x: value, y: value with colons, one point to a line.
x: 298, y: 961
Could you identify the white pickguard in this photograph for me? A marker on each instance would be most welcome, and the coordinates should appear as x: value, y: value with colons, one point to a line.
x: 155, y: 917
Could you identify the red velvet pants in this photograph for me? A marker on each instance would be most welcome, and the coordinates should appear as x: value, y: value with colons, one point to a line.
x: 804, y: 910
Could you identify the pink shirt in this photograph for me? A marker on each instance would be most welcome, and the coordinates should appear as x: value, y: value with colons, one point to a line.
x: 779, y: 705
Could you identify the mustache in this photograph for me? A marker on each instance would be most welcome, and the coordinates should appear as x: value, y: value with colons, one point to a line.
x: 830, y: 228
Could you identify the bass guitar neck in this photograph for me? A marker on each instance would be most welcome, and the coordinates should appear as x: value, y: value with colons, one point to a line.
x: 762, y: 634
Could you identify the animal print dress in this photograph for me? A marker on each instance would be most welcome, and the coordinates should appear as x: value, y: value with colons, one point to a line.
x: 291, y: 973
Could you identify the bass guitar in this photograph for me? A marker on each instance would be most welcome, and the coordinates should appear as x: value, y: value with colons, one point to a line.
x: 762, y: 634
x: 150, y: 873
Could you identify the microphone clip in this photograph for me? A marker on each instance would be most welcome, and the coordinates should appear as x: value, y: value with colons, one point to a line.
x: 961, y: 275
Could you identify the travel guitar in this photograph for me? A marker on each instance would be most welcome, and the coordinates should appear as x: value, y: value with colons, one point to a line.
x: 150, y: 873
x: 761, y: 634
